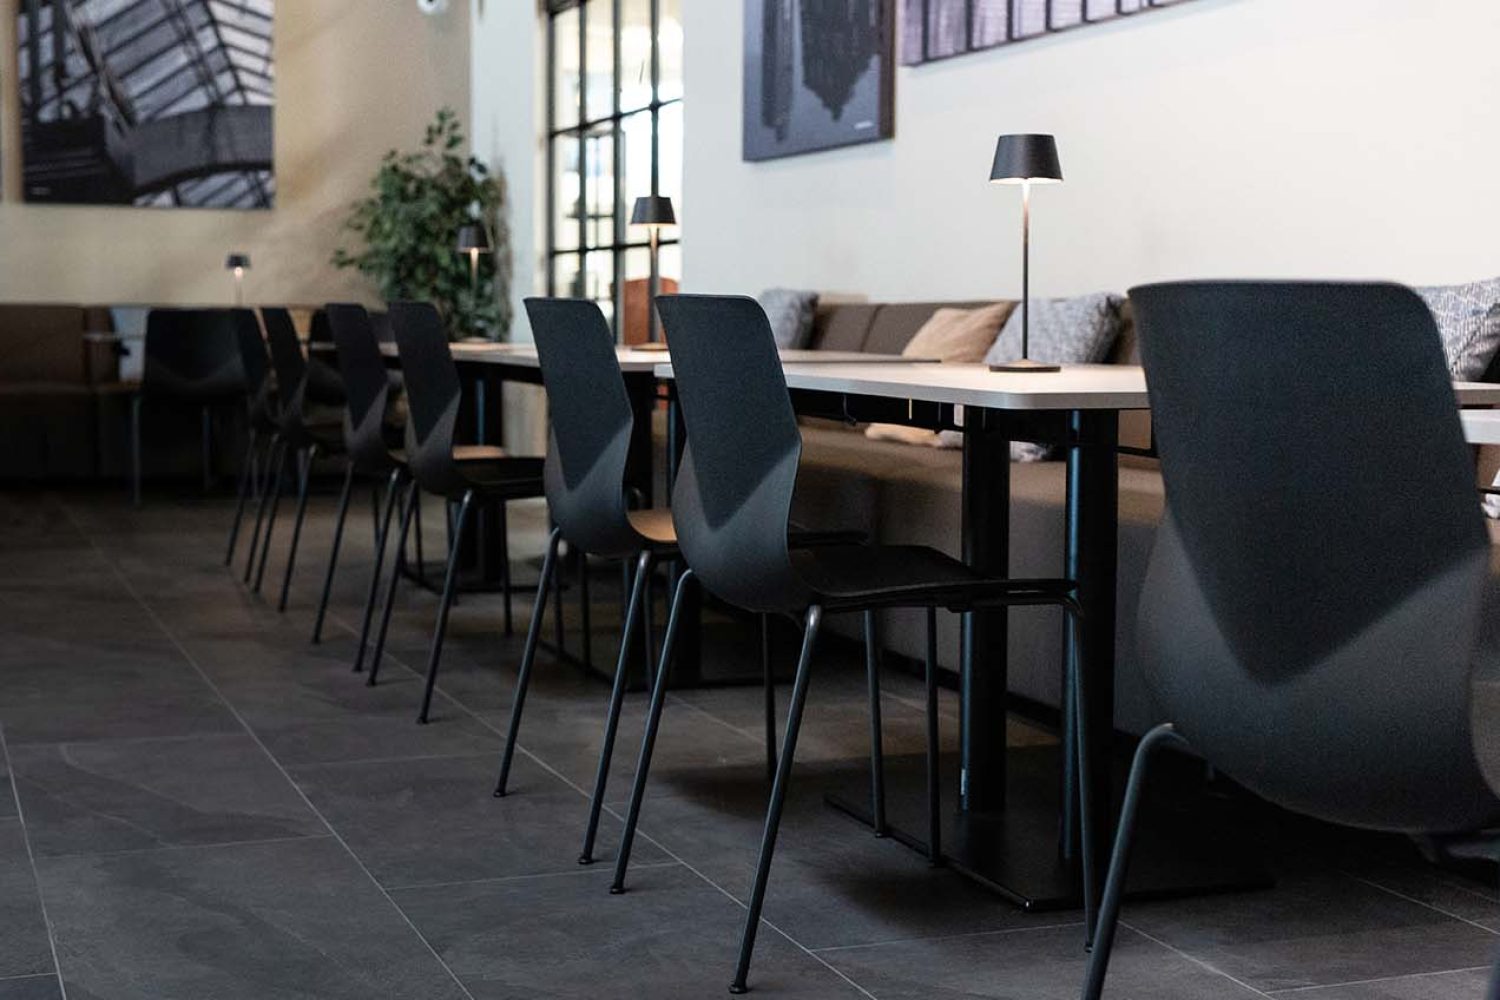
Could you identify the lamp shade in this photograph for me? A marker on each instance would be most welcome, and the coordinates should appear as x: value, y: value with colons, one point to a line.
x: 653, y: 210
x: 473, y: 237
x: 237, y: 262
x: 1020, y: 158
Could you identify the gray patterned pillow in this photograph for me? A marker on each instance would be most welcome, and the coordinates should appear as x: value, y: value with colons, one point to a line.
x: 1073, y: 331
x: 791, y: 315
x: 1468, y: 318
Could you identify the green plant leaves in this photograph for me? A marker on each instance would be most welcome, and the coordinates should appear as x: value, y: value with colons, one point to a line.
x: 405, y: 232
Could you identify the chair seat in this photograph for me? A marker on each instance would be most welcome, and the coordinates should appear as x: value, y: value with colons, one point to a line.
x: 476, y: 452
x: 654, y: 525
x: 504, y: 477
x: 893, y: 575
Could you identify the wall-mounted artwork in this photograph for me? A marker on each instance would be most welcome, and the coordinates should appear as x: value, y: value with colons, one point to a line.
x: 938, y: 29
x: 163, y: 103
x: 818, y: 74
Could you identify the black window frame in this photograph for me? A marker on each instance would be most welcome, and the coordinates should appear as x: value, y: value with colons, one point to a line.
x: 577, y: 132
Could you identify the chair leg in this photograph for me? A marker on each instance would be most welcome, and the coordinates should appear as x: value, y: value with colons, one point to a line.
x: 265, y: 541
x: 528, y: 656
x: 877, y: 730
x: 768, y: 682
x: 136, y: 402
x: 382, y: 532
x: 407, y: 509
x: 778, y: 798
x: 505, y: 593
x: 333, y: 554
x: 557, y: 608
x: 243, y: 494
x: 450, y: 584
x: 208, y: 450
x: 648, y: 741
x: 421, y: 557
x: 1114, y: 886
x: 616, y: 700
x: 934, y: 777
x: 263, y: 494
x: 304, y: 477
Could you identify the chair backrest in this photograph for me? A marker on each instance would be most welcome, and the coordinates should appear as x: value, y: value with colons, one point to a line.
x: 1309, y: 615
x: 591, y: 423
x: 733, y: 493
x: 194, y: 355
x: 286, y: 359
x: 324, y: 386
x: 433, y: 395
x: 366, y: 384
x: 255, y: 364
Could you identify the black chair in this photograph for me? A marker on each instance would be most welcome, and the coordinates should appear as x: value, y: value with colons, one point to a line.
x: 192, y: 358
x: 325, y: 382
x: 373, y: 443
x: 260, y: 409
x: 306, y: 430
x: 731, y: 503
x: 461, y: 474
x: 1321, y: 652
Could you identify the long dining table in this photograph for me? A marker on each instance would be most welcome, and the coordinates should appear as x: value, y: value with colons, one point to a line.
x: 1010, y: 831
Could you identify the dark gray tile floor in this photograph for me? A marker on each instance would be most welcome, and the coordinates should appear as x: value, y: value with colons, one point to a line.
x: 196, y: 802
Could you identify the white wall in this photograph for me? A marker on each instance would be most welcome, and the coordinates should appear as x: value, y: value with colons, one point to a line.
x: 508, y: 113
x: 1335, y: 138
x: 354, y: 78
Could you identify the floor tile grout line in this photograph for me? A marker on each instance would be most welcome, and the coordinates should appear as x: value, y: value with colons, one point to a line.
x: 373, y: 761
x: 163, y: 848
x: 28, y: 975
x: 36, y: 876
x: 640, y: 833
x: 1289, y: 991
x: 162, y: 625
x: 996, y: 932
x: 1422, y: 903
x: 500, y: 879
x: 1201, y: 963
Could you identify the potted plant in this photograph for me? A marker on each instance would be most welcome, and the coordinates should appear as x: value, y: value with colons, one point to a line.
x: 408, y: 225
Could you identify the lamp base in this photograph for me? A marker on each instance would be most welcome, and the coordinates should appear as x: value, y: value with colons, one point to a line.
x: 649, y: 345
x: 1025, y: 365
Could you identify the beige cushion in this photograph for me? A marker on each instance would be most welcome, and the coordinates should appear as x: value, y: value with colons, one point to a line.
x: 953, y: 336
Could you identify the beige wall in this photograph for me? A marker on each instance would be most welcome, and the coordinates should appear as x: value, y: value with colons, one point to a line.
x: 1216, y: 138
x: 354, y: 78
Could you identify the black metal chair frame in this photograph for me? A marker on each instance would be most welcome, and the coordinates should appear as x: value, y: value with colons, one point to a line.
x: 434, y: 393
x: 731, y: 504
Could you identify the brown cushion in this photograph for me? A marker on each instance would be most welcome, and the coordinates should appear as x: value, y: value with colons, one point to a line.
x: 41, y: 343
x: 959, y: 336
x: 896, y: 324
x: 842, y: 327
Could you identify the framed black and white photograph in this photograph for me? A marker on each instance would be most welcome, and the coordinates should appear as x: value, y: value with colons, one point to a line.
x: 939, y: 29
x: 156, y: 103
x: 819, y: 74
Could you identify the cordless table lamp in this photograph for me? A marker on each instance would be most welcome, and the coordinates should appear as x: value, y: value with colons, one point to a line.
x: 655, y: 212
x: 473, y: 239
x: 238, y: 263
x: 1026, y: 160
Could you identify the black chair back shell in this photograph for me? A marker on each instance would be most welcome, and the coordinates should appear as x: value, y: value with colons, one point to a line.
x: 193, y: 355
x: 433, y: 396
x: 1309, y: 617
x: 366, y: 384
x: 591, y: 423
x: 732, y: 499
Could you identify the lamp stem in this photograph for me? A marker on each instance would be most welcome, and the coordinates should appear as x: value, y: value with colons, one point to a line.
x: 1025, y: 270
x: 239, y: 286
x: 654, y: 285
x: 474, y: 276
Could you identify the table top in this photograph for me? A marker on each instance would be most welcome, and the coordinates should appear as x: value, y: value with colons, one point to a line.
x: 1076, y: 387
x: 635, y: 359
x: 1481, y: 426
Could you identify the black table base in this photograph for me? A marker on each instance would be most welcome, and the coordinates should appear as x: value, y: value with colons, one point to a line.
x: 1190, y: 843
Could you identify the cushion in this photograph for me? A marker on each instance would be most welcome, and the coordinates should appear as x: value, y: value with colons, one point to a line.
x: 896, y: 324
x: 959, y: 336
x: 952, y: 336
x: 791, y: 315
x: 1468, y: 319
x: 1073, y: 331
